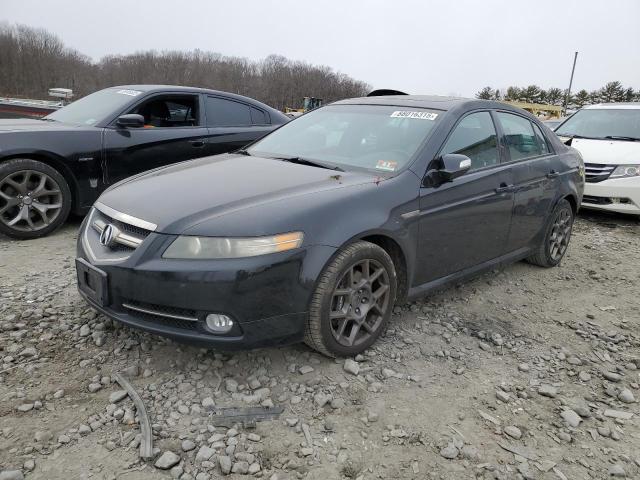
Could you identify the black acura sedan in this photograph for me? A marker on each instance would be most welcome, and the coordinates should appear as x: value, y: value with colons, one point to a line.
x: 61, y: 163
x: 314, y: 232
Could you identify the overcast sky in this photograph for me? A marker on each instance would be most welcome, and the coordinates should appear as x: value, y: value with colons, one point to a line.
x: 422, y: 47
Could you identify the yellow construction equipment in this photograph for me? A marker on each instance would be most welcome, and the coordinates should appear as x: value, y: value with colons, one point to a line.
x: 309, y: 103
x: 539, y: 109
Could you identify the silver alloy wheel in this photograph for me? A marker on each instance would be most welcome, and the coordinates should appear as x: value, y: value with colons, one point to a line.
x: 560, y: 234
x: 29, y: 200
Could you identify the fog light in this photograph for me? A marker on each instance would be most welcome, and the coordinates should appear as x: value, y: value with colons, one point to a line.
x: 218, y: 323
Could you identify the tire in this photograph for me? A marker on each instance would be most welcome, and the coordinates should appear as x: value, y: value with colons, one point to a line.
x: 556, y: 238
x: 361, y: 306
x: 35, y: 199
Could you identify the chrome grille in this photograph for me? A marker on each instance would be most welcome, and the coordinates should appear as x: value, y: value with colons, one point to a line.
x: 125, y: 234
x: 596, y: 172
x: 122, y: 240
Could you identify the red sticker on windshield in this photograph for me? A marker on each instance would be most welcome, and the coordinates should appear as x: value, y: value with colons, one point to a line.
x: 387, y: 165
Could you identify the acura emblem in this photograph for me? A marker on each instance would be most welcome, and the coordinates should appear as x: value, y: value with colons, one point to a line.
x: 108, y: 235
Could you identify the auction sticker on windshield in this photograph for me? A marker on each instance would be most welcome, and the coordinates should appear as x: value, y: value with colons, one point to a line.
x: 418, y: 115
x: 387, y: 165
x: 131, y: 93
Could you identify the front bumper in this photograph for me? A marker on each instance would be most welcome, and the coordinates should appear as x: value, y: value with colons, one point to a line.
x: 267, y: 296
x: 621, y: 195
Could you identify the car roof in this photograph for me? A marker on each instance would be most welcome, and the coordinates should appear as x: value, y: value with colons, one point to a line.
x: 621, y: 105
x: 183, y: 89
x: 428, y: 101
x: 165, y: 88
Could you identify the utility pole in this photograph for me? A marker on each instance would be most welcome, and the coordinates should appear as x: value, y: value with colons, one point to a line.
x: 568, y: 94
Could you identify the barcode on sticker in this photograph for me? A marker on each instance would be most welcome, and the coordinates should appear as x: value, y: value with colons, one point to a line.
x: 418, y: 115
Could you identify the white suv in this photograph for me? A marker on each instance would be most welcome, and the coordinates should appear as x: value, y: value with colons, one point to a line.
x: 608, y: 137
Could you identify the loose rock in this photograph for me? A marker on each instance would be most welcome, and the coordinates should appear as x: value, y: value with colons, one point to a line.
x: 571, y: 417
x: 167, y: 460
x: 626, y: 396
x: 513, y: 432
x: 351, y: 366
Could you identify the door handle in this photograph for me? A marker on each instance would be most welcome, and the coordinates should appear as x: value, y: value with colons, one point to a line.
x: 504, y: 188
x: 197, y: 143
x: 552, y: 174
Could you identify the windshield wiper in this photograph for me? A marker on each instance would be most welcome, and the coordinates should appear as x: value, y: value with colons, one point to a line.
x: 622, y: 137
x: 242, y: 151
x: 306, y: 161
x: 575, y: 135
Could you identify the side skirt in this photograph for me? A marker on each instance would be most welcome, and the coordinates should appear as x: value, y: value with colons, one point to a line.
x: 512, y: 257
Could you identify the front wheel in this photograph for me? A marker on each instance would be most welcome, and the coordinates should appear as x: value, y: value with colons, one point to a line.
x: 34, y: 198
x: 556, y: 237
x: 353, y: 301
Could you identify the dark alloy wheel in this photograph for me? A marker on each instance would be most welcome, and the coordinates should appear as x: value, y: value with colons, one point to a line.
x: 353, y: 301
x: 359, y: 303
x: 560, y: 233
x: 556, y: 238
x: 34, y: 199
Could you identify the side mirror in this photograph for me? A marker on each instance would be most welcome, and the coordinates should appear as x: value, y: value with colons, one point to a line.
x: 453, y: 166
x: 446, y: 168
x: 130, y: 120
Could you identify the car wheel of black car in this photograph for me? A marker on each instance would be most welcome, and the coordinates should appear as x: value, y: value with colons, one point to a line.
x: 556, y: 238
x: 353, y: 301
x: 34, y: 198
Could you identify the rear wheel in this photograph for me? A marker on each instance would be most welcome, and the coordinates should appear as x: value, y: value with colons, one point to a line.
x: 353, y: 301
x: 34, y: 199
x: 556, y: 238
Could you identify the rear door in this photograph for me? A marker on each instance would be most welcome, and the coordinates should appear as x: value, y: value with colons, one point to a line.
x: 535, y: 180
x: 465, y: 223
x: 233, y: 124
x: 173, y: 132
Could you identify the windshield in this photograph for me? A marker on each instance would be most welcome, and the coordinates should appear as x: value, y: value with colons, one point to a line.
x: 95, y: 107
x: 602, y: 123
x: 372, y: 137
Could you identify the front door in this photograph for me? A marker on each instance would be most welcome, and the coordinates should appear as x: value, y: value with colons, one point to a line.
x: 173, y: 132
x: 465, y: 223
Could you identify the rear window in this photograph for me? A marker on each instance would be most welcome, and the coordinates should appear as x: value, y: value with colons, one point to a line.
x: 519, y: 136
x: 258, y: 117
x: 227, y: 113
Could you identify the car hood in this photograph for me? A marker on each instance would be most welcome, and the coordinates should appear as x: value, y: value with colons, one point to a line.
x: 32, y: 124
x: 614, y: 152
x: 183, y: 195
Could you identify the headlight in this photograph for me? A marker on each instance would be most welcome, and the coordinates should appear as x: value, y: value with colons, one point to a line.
x: 217, y: 247
x: 623, y: 171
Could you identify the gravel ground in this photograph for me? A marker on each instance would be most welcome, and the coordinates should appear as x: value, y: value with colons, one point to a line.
x: 520, y: 373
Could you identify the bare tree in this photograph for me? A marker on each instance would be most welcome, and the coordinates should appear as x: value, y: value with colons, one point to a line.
x: 33, y: 60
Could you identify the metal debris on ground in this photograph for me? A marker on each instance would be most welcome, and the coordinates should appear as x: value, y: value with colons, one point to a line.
x: 146, y: 442
x: 248, y: 416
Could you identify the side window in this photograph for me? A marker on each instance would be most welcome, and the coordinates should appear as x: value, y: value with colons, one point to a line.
x: 519, y: 136
x: 475, y: 137
x: 542, y: 140
x: 227, y: 113
x: 169, y: 111
x: 258, y: 117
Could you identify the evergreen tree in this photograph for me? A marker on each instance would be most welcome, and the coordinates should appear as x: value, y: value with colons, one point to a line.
x: 487, y: 93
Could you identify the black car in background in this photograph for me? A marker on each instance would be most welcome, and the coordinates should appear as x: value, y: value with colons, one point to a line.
x: 62, y: 162
x: 314, y: 232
